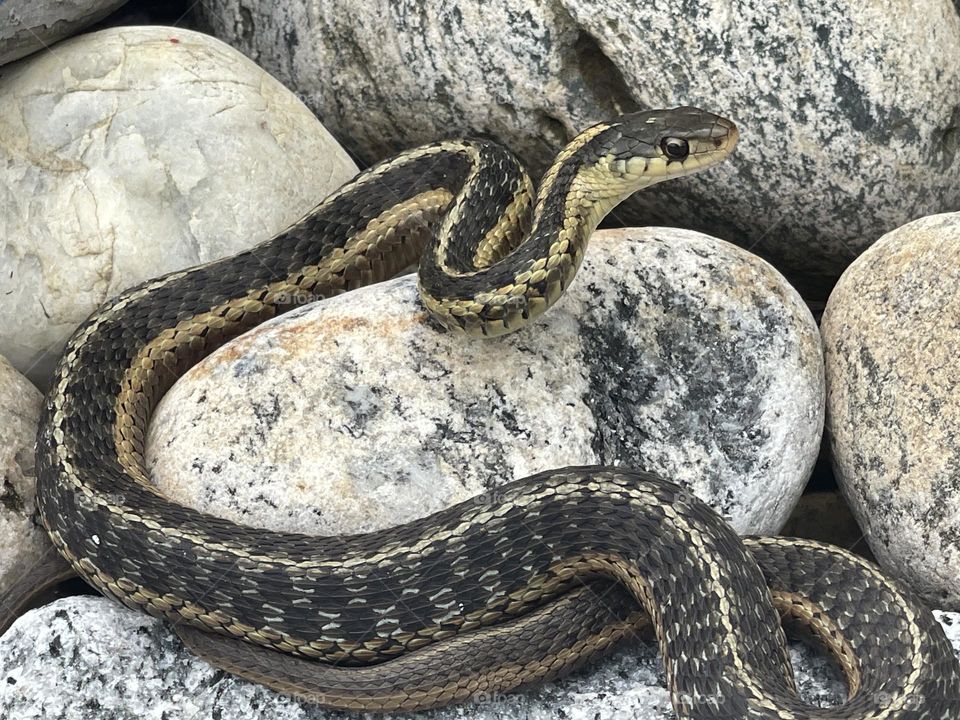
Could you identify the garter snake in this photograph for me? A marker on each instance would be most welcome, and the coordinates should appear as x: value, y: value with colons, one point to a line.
x: 489, y: 595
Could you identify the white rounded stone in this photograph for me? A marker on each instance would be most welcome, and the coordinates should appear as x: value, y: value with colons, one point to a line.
x: 28, y: 25
x: 848, y: 110
x: 25, y: 544
x: 132, y: 152
x: 892, y: 341
x: 86, y: 658
x: 672, y: 352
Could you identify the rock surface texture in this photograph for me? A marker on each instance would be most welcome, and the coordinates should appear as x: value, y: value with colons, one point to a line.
x: 892, y: 341
x: 849, y: 112
x: 132, y: 152
x: 671, y: 352
x: 24, y: 544
x: 27, y: 26
x: 119, y: 664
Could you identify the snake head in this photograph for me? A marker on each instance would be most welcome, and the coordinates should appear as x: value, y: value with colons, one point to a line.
x: 639, y: 149
x: 669, y: 142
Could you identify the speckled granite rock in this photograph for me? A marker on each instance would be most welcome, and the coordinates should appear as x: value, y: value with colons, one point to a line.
x: 85, y: 658
x: 672, y: 352
x: 848, y: 110
x: 23, y: 543
x: 892, y: 341
x: 27, y: 25
x: 135, y: 151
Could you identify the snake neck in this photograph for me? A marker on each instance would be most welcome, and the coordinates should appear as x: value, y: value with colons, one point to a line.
x: 490, y: 282
x: 582, y: 196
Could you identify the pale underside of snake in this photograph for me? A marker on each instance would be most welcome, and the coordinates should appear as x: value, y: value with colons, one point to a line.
x: 490, y: 595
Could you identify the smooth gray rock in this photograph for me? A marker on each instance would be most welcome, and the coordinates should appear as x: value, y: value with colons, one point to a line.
x: 132, y: 152
x: 85, y: 658
x: 849, y: 113
x: 892, y: 341
x: 23, y: 544
x: 30, y: 25
x: 672, y: 352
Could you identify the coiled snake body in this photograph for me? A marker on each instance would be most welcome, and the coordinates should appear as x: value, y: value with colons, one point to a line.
x: 487, y: 596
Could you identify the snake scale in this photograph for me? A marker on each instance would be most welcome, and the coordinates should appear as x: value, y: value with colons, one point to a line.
x: 493, y: 594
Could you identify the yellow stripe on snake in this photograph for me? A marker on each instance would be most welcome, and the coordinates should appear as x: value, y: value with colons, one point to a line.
x: 498, y: 594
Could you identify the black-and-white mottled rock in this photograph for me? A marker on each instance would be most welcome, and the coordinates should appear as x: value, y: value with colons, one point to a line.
x: 132, y: 152
x: 892, y: 340
x: 86, y: 658
x: 849, y: 111
x: 23, y: 544
x: 672, y: 352
x: 27, y: 25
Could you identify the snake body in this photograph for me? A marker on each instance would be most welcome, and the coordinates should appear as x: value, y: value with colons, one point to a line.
x: 490, y: 595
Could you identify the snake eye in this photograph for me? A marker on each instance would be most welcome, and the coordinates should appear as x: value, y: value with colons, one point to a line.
x: 675, y: 148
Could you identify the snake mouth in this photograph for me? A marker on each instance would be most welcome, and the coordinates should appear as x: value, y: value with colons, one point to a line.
x: 727, y: 142
x: 709, y: 145
x: 716, y: 138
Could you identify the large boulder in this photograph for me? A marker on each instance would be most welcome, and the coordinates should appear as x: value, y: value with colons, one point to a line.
x: 131, y: 152
x: 848, y: 109
x: 89, y: 659
x: 892, y: 340
x: 28, y: 25
x: 672, y: 352
x: 24, y: 543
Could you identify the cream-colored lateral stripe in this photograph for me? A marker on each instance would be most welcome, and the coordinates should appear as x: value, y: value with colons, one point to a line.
x: 143, y: 382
